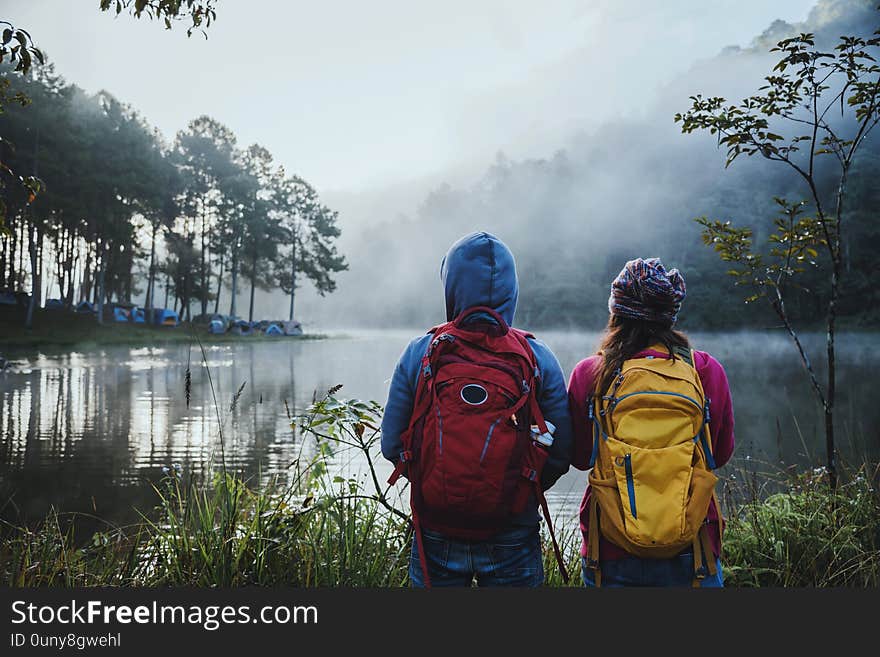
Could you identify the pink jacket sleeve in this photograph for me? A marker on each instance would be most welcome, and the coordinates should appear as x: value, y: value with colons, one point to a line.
x: 717, y: 389
x: 579, y: 387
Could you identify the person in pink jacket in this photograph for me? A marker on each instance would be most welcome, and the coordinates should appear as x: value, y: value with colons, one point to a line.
x: 644, y: 304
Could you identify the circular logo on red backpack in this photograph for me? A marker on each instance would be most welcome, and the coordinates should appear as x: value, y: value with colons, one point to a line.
x: 474, y: 394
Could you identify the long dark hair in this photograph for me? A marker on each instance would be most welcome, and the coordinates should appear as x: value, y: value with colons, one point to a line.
x: 624, y: 338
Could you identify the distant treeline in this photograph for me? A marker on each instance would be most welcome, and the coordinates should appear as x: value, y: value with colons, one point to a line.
x: 121, y: 213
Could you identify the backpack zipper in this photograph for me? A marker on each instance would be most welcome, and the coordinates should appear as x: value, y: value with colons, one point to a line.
x: 450, y: 358
x: 439, y: 431
x: 488, y: 438
x: 630, y: 484
x: 657, y: 392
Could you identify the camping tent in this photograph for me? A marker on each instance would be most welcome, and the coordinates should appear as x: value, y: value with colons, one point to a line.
x: 292, y: 328
x: 241, y: 328
x: 138, y: 316
x: 54, y: 304
x: 120, y: 314
x: 273, y: 329
x: 7, y: 298
x: 223, y: 319
x: 85, y: 307
x: 216, y: 327
x: 165, y: 317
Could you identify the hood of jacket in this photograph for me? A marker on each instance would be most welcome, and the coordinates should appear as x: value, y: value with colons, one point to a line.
x: 479, y: 270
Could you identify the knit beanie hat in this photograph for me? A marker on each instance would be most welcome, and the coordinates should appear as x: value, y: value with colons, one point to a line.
x: 645, y: 290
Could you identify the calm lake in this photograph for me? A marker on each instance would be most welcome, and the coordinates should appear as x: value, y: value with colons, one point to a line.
x: 89, y: 431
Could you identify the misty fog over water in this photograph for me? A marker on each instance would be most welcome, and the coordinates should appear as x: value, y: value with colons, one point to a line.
x: 89, y: 431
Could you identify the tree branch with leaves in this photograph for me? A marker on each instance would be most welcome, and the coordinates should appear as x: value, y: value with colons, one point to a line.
x: 814, y: 104
x: 200, y: 13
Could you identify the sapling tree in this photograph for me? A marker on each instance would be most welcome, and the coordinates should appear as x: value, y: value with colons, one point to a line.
x: 816, y: 105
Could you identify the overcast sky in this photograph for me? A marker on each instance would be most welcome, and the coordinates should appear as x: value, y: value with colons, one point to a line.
x: 353, y: 95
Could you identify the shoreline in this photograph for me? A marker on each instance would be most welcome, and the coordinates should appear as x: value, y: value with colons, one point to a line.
x: 59, y: 330
x: 12, y: 345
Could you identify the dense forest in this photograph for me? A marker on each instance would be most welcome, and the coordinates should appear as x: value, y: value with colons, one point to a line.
x: 626, y: 189
x: 120, y: 214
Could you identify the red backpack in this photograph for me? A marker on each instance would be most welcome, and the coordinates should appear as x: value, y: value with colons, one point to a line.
x: 471, y: 452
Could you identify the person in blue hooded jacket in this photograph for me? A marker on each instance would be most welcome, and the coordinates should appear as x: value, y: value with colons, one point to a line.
x: 479, y: 270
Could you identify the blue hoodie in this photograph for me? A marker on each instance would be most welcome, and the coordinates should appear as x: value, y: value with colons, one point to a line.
x: 479, y: 270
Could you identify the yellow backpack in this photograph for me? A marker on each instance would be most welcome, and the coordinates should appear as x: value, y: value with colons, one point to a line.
x: 652, y: 463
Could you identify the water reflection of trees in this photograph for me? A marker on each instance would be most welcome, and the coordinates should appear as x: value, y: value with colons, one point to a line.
x: 90, y: 432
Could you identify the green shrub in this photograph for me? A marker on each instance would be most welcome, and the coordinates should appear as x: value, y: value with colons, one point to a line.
x: 807, y: 534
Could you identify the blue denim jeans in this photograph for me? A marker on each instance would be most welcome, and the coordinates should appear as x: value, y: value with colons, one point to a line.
x: 510, y: 558
x: 632, y: 571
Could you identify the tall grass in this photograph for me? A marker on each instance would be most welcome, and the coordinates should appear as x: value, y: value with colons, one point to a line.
x: 321, y: 529
x: 805, y: 533
x: 568, y: 536
x: 318, y: 530
x: 45, y: 556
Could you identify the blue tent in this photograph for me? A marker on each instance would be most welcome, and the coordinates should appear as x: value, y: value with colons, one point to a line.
x: 8, y: 299
x: 274, y: 329
x: 54, y: 304
x: 165, y: 317
x: 216, y: 327
x: 85, y: 307
x: 223, y: 319
x: 138, y: 316
x: 120, y: 315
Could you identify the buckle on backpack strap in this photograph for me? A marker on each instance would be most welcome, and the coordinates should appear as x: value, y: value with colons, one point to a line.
x: 427, y: 371
x: 440, y: 338
x: 405, y: 456
x: 530, y: 473
x: 701, y: 572
x: 592, y: 564
x: 399, y: 467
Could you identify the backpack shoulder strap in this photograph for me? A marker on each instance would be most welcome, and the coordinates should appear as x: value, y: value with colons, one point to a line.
x: 521, y: 338
x: 438, y: 328
x: 705, y: 433
x: 422, y: 398
x: 685, y: 353
x: 525, y: 334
